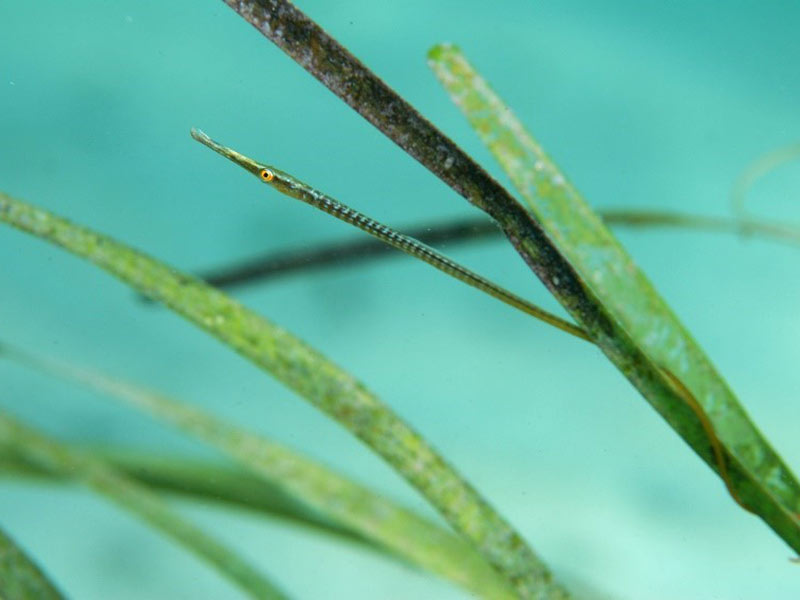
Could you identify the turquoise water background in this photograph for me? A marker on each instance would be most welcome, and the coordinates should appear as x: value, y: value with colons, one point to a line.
x: 644, y: 105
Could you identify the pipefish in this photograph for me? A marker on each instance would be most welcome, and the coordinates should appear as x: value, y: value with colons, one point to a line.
x: 717, y: 447
x: 294, y: 188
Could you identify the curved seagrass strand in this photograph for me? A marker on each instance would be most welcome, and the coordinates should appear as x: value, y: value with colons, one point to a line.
x: 315, y: 378
x: 755, y: 171
x: 320, y: 495
x: 288, y: 185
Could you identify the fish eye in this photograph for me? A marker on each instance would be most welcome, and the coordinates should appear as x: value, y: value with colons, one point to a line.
x: 266, y: 175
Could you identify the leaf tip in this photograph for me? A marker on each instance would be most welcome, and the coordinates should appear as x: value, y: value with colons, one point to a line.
x: 439, y: 51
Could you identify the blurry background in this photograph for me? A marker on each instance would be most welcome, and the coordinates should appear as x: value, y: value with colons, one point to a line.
x: 651, y: 108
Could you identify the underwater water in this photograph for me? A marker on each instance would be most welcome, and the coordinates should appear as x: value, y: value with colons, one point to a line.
x: 643, y: 106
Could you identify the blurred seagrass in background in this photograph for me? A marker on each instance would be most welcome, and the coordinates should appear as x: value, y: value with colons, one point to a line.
x: 636, y: 105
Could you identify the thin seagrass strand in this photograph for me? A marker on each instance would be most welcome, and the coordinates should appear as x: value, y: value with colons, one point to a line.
x: 294, y: 188
x: 268, y: 266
